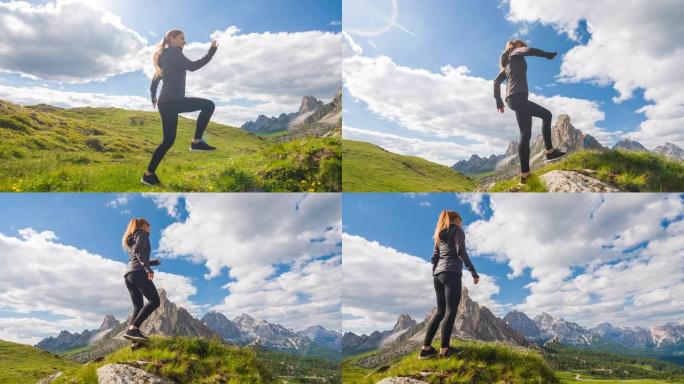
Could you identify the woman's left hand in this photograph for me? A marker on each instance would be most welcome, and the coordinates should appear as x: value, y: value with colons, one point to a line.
x: 150, y: 276
x: 476, y: 280
x: 214, y: 44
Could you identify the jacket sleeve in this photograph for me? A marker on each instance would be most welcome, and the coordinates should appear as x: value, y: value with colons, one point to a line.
x: 497, y: 88
x: 463, y: 254
x: 528, y: 51
x: 435, y: 257
x: 153, y: 87
x: 141, y: 239
x: 176, y: 57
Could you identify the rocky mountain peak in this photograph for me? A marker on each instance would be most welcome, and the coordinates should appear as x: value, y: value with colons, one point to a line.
x: 629, y: 145
x: 109, y: 322
x: 403, y: 323
x: 309, y: 104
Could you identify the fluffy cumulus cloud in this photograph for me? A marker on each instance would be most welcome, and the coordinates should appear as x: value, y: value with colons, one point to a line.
x: 592, y: 257
x: 450, y: 103
x: 632, y: 46
x: 372, y: 297
x: 68, y: 99
x: 66, y: 40
x: 280, y: 252
x: 77, y: 291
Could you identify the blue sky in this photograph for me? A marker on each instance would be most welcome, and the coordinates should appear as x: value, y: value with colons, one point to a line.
x: 533, y: 252
x: 241, y: 99
x: 431, y: 35
x: 68, y: 246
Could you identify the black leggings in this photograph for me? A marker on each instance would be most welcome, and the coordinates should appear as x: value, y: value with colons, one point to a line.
x: 138, y: 286
x: 169, y: 111
x: 524, y: 110
x: 448, y: 290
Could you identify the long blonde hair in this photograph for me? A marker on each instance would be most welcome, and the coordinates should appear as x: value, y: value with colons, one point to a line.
x: 445, y: 219
x: 133, y: 225
x: 160, y: 48
x: 510, y: 46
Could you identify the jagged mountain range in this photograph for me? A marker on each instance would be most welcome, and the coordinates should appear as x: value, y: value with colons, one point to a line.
x: 313, y: 118
x: 566, y: 138
x: 172, y: 320
x: 545, y: 328
x: 473, y: 322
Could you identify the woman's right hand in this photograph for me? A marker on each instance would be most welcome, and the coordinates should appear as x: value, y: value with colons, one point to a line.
x: 476, y: 280
x: 214, y: 44
x: 150, y: 276
x: 154, y: 103
x: 500, y: 109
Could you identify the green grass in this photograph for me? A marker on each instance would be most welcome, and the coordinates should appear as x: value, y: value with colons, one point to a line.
x: 628, y: 171
x: 184, y: 360
x: 47, y: 149
x: 571, y: 377
x: 481, y: 362
x: 25, y: 364
x: 369, y: 168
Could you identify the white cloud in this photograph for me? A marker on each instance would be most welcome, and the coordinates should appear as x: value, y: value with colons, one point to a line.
x: 69, y: 99
x: 632, y: 46
x: 67, y: 41
x: 120, y: 200
x: 449, y: 104
x: 372, y: 297
x: 474, y: 199
x: 167, y: 201
x: 584, y: 254
x: 41, y: 275
x: 253, y: 236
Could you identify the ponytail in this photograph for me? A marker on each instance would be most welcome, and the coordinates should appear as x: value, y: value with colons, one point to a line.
x: 443, y: 222
x: 510, y: 46
x: 133, y: 225
x: 163, y: 44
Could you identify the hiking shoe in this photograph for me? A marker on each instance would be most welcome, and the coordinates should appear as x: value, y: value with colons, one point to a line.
x: 150, y: 180
x: 523, y: 178
x: 201, y: 146
x: 555, y: 155
x: 427, y: 354
x: 451, y: 352
x: 135, y: 334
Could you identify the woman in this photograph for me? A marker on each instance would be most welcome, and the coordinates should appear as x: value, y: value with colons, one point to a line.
x: 139, y: 276
x: 514, y: 71
x: 448, y: 258
x: 171, y: 65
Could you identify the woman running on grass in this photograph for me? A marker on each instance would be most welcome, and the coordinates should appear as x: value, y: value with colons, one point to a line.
x: 448, y: 258
x: 514, y: 71
x: 139, y: 275
x: 170, y: 66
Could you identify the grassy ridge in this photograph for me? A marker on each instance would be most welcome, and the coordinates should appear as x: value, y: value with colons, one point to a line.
x: 480, y: 362
x: 369, y: 168
x: 44, y: 148
x: 25, y: 364
x: 183, y: 360
x: 627, y: 170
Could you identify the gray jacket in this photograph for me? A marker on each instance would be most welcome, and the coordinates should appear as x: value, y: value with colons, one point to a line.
x: 174, y: 65
x: 515, y: 72
x: 450, y: 253
x: 139, y: 250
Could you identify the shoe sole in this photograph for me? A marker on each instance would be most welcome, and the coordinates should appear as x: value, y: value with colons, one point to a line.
x: 426, y: 357
x: 201, y: 150
x: 146, y: 183
x: 134, y: 338
x: 556, y: 159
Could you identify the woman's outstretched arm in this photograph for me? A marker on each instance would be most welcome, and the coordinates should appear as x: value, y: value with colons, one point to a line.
x: 528, y: 51
x: 176, y: 57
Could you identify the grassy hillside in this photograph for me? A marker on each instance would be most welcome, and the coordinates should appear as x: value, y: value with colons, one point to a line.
x: 369, y: 168
x: 628, y: 171
x: 25, y: 364
x: 610, y: 366
x: 183, y: 360
x: 44, y: 148
x: 481, y: 362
